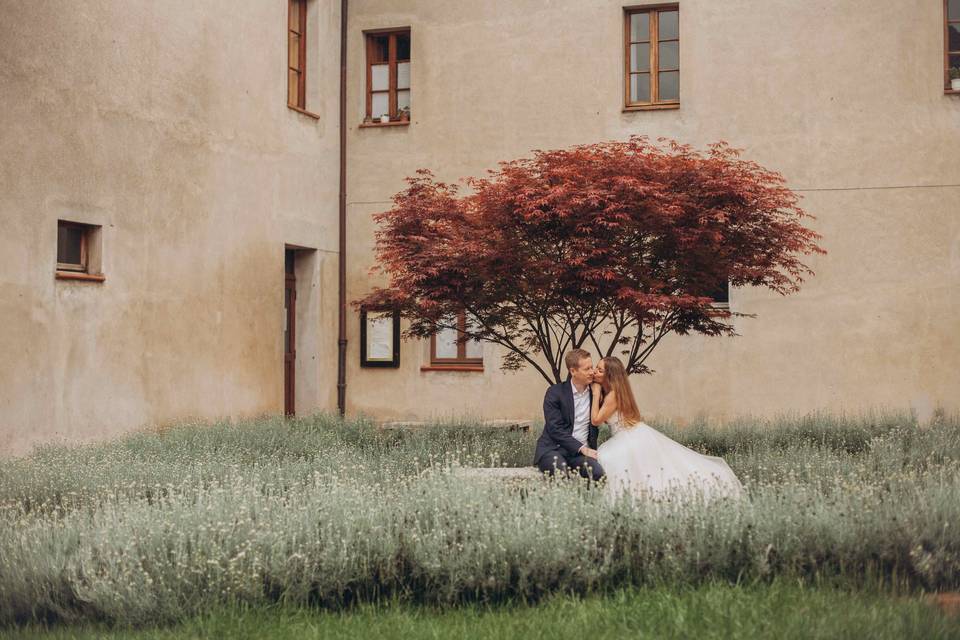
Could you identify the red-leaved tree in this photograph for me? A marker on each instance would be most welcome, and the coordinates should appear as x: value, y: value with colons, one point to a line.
x: 609, y: 246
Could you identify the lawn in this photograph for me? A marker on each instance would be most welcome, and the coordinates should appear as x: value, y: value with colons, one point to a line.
x: 286, y: 524
x: 779, y: 610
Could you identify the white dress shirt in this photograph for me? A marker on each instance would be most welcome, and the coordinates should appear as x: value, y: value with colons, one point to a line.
x: 581, y: 413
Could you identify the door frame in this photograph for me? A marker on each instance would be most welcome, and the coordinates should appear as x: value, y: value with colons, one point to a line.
x: 290, y: 333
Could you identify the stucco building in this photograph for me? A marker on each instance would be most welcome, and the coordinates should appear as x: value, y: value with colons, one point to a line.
x: 170, y: 195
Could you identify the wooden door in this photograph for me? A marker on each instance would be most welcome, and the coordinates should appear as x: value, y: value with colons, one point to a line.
x: 289, y: 337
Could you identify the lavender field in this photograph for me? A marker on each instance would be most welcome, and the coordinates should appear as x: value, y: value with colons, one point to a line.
x: 156, y: 527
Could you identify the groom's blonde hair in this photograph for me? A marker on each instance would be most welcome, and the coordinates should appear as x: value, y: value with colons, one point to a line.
x: 573, y: 358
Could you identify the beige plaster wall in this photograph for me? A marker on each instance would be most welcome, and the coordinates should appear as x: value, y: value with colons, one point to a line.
x: 845, y: 99
x: 166, y: 123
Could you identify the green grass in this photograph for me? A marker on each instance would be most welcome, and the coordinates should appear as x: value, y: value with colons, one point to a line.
x: 157, y: 528
x: 779, y: 610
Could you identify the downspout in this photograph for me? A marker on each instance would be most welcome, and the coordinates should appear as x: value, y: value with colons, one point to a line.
x: 342, y: 266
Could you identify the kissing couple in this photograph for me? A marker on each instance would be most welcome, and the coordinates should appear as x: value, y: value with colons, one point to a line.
x: 637, y: 459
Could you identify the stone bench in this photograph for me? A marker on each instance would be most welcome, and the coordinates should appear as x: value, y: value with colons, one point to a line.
x: 509, y: 425
x: 498, y: 473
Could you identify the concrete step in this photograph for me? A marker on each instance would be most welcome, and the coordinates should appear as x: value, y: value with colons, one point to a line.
x: 498, y: 473
x: 509, y: 425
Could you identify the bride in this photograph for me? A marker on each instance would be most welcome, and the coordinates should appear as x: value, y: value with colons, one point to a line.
x: 641, y: 461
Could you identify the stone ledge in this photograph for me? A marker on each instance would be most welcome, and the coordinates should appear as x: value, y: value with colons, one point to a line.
x: 498, y: 473
x: 509, y: 425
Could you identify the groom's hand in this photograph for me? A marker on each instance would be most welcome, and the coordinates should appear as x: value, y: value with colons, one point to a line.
x: 588, y: 452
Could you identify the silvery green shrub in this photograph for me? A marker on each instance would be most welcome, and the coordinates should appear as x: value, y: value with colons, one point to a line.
x: 158, y: 526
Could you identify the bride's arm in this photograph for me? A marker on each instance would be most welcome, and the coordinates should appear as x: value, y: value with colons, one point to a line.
x: 598, y: 413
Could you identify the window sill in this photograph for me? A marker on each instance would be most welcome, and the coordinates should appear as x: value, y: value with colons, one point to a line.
x: 309, y: 114
x: 453, y: 367
x: 651, y: 107
x: 951, y: 92
x: 78, y: 275
x: 374, y: 125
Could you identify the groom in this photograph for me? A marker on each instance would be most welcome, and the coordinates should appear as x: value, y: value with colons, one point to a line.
x: 569, y: 440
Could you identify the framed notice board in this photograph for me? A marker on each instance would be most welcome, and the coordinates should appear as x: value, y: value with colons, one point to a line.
x: 380, y: 338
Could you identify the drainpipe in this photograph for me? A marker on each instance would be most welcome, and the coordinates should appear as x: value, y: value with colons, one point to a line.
x: 342, y: 266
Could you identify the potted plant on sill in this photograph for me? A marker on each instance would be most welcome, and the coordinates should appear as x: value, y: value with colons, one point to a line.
x: 385, y: 118
x: 955, y: 78
x: 404, y: 114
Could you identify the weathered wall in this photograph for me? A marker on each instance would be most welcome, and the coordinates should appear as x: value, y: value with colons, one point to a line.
x: 165, y: 122
x: 845, y: 99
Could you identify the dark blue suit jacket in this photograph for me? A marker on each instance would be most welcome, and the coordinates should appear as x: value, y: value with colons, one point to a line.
x: 558, y: 423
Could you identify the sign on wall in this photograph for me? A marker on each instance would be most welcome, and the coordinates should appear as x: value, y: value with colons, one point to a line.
x: 379, y: 338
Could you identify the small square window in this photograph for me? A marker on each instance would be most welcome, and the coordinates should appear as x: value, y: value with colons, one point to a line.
x: 78, y: 251
x: 71, y: 247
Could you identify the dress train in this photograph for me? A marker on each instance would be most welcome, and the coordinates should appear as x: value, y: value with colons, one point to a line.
x: 641, y: 461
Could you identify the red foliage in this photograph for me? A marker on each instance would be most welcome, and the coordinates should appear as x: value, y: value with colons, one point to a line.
x: 608, y: 246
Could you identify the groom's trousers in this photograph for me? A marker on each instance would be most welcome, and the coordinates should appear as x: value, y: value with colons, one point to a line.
x: 554, y: 460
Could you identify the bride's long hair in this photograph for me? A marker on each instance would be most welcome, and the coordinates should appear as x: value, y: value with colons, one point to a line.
x: 616, y: 378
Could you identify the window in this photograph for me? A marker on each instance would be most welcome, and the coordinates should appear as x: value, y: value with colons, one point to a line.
x: 297, y: 54
x: 951, y: 44
x: 78, y: 251
x: 721, y: 295
x: 388, y: 77
x: 447, y: 348
x: 302, y: 91
x: 652, y: 57
x: 71, y: 247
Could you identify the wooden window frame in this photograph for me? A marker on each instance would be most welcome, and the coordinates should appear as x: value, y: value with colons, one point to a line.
x: 81, y: 270
x: 392, y: 62
x: 655, y: 103
x: 300, y: 7
x: 461, y: 362
x: 722, y: 304
x: 290, y: 333
x: 946, y: 47
x: 300, y: 105
x: 84, y: 239
x: 394, y: 363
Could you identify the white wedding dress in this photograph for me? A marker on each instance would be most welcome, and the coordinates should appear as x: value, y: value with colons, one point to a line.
x: 640, y: 461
